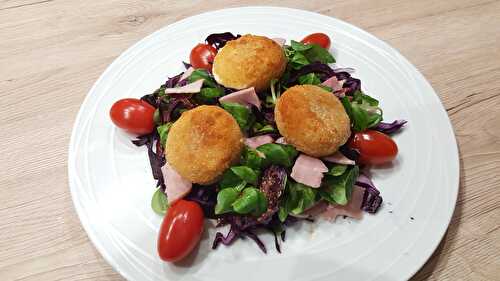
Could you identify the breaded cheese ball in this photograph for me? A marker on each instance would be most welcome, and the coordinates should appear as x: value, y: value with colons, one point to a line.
x: 249, y: 61
x: 312, y: 119
x: 203, y: 143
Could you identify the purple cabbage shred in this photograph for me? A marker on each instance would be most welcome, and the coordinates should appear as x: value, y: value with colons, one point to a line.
x: 219, y: 40
x: 227, y: 240
x: 206, y: 197
x: 173, y: 81
x: 156, y: 158
x: 371, y: 199
x: 390, y: 128
x: 316, y: 67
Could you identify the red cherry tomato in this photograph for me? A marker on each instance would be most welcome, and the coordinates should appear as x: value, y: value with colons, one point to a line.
x: 180, y: 231
x: 202, y: 56
x: 133, y: 115
x: 374, y: 147
x: 317, y: 38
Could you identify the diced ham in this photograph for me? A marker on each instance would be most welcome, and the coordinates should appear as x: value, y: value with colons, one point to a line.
x: 339, y: 158
x: 308, y: 170
x: 352, y: 209
x: 281, y: 140
x: 176, y: 186
x: 257, y: 141
x: 244, y: 97
x: 194, y: 87
x: 280, y: 41
x: 187, y: 73
x: 333, y: 83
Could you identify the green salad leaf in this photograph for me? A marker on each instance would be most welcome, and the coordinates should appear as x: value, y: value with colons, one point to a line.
x: 363, y: 111
x: 261, y: 204
x: 275, y: 87
x: 209, y: 95
x: 225, y: 199
x: 241, y: 113
x: 297, y: 198
x: 163, y: 132
x: 159, y: 202
x: 246, y: 201
x: 258, y: 128
x: 231, y: 180
x: 309, y: 78
x: 337, y: 170
x: 299, y: 46
x: 202, y: 74
x: 318, y: 54
x: 250, y: 158
x: 278, y: 154
x: 338, y: 189
x: 298, y: 60
x: 246, y: 174
x: 251, y: 200
x: 157, y: 117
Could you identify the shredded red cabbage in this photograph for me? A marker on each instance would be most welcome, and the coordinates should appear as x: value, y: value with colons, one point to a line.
x: 256, y: 239
x: 371, y: 199
x: 227, y: 240
x: 156, y: 158
x: 178, y: 101
x: 219, y: 40
x: 151, y: 99
x: 206, y: 197
x: 264, y: 115
x: 390, y: 128
x: 352, y: 85
x: 350, y: 153
x: 324, y: 70
x: 173, y: 81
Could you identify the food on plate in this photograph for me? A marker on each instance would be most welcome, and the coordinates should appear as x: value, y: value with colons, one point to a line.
x: 133, y: 115
x: 202, y: 56
x: 312, y: 119
x: 249, y: 61
x: 320, y: 39
x: 268, y: 135
x: 203, y: 143
x: 374, y: 147
x: 180, y: 230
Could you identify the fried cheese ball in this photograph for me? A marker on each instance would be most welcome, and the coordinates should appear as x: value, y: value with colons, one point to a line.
x: 203, y: 143
x: 249, y: 61
x: 312, y: 119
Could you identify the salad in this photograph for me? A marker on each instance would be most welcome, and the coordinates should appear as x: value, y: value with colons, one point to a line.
x: 257, y: 134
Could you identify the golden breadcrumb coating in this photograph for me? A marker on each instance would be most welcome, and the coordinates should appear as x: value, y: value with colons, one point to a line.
x: 203, y: 143
x: 249, y: 61
x: 312, y: 119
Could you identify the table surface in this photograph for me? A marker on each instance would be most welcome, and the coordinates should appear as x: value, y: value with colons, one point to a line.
x: 52, y: 51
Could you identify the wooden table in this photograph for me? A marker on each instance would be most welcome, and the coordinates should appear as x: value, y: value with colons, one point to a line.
x: 52, y: 51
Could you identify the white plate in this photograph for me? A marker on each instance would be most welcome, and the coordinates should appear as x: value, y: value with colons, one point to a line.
x: 111, y: 182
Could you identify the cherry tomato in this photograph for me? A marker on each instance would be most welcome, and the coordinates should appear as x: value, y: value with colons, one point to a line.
x: 202, y: 56
x: 180, y: 231
x: 317, y: 38
x: 133, y: 115
x: 374, y: 147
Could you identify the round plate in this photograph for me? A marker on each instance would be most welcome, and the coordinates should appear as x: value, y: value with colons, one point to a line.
x: 112, y: 185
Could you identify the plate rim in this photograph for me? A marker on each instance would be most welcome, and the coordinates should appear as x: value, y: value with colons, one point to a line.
x: 84, y: 219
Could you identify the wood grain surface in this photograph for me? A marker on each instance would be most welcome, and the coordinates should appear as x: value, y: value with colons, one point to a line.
x: 52, y: 51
